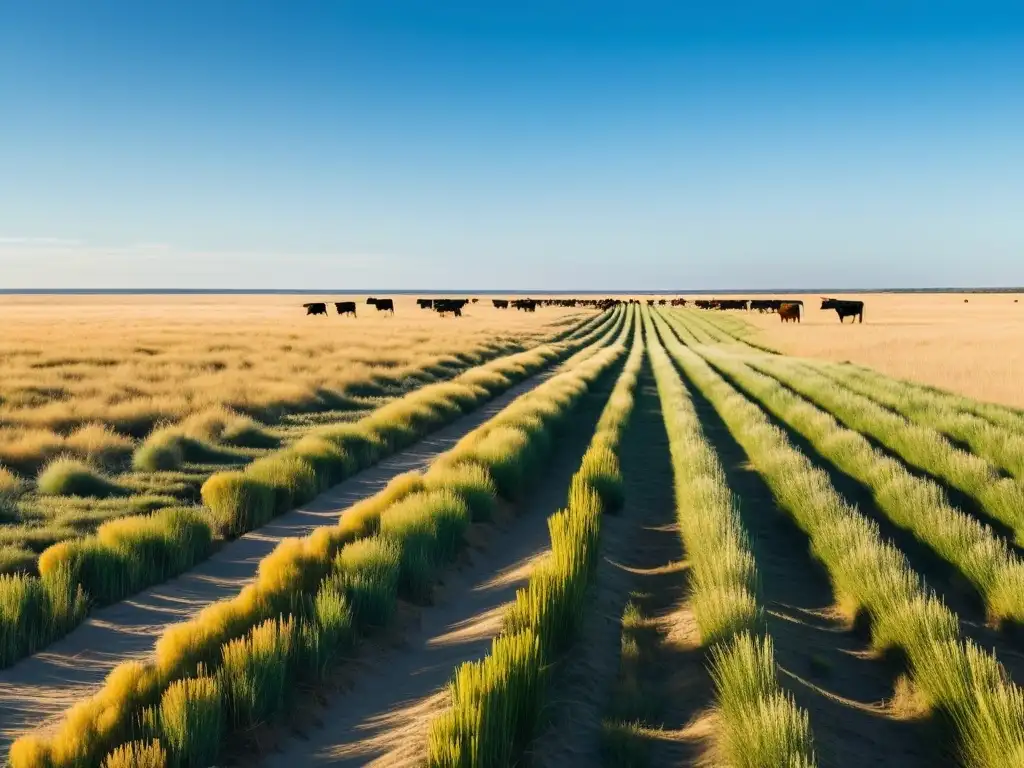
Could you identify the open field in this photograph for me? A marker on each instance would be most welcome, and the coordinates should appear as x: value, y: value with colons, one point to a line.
x: 119, y: 405
x: 974, y: 348
x: 642, y: 542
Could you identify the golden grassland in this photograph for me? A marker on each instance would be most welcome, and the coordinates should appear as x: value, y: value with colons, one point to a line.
x: 117, y: 405
x: 974, y: 348
x: 84, y: 375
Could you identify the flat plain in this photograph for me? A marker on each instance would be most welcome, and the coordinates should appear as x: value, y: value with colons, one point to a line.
x: 635, y: 536
x: 972, y: 343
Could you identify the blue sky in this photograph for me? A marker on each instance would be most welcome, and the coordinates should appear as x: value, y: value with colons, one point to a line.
x: 462, y: 145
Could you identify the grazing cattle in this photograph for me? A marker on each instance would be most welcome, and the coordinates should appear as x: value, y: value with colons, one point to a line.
x: 443, y: 306
x: 474, y: 300
x: 662, y: 302
x: 844, y: 308
x: 316, y: 308
x: 525, y: 305
x: 678, y: 302
x: 650, y: 302
x: 500, y: 303
x: 789, y: 311
x: 345, y: 307
x: 384, y: 305
x: 425, y: 303
x: 732, y: 304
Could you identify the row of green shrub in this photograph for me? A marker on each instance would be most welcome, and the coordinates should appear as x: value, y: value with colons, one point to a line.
x: 954, y: 678
x: 921, y: 446
x: 914, y: 503
x: 384, y: 546
x: 761, y: 725
x: 496, y: 702
x: 1001, y: 445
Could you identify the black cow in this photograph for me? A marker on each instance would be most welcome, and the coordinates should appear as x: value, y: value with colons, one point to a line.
x: 345, y: 307
x: 383, y: 305
x: 845, y: 309
x: 731, y: 304
x: 425, y: 303
x: 500, y: 303
x: 443, y: 306
x: 678, y: 302
x: 316, y: 308
x: 525, y: 305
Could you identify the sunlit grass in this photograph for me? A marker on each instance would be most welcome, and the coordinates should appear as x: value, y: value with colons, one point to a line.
x: 299, y: 569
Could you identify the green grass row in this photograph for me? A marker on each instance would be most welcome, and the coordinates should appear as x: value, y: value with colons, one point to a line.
x: 993, y: 432
x: 959, y: 682
x: 921, y: 446
x: 384, y: 546
x: 132, y: 553
x: 915, y: 504
x: 761, y: 725
x: 1003, y: 416
x: 497, y: 702
x: 1002, y: 446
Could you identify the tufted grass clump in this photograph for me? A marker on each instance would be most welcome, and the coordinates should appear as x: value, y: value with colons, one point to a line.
x: 66, y: 476
x: 368, y: 573
x: 238, y: 502
x: 137, y: 754
x: 130, y: 553
x: 293, y: 479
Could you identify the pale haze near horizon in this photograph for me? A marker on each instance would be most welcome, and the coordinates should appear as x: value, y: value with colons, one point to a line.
x: 625, y: 147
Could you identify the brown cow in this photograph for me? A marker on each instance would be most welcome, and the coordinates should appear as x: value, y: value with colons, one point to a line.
x: 789, y: 311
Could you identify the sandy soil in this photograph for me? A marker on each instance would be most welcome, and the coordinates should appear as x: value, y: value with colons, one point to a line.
x: 975, y: 348
x: 383, y: 715
x: 44, y: 685
x: 636, y: 545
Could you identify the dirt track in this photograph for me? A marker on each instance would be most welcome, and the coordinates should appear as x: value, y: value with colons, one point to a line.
x: 44, y: 685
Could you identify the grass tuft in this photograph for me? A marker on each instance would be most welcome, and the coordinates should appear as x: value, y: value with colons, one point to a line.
x: 66, y: 476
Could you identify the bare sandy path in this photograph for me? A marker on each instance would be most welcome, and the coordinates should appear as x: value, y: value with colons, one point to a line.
x: 632, y: 549
x: 44, y: 685
x: 382, y: 718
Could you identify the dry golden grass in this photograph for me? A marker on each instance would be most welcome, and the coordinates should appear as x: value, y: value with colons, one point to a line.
x: 84, y: 375
x: 976, y: 348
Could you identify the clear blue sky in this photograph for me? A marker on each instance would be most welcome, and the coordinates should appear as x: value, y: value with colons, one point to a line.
x: 526, y: 145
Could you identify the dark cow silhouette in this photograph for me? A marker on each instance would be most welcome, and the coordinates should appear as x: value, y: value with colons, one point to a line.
x: 474, y: 300
x: 789, y: 311
x: 845, y: 309
x: 732, y: 304
x: 383, y: 305
x: 525, y: 305
x: 345, y: 307
x: 425, y: 303
x: 678, y: 302
x: 443, y: 306
x: 500, y: 303
x: 316, y: 308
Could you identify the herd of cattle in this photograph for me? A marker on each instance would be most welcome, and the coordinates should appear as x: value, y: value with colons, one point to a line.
x: 455, y: 306
x: 787, y: 309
